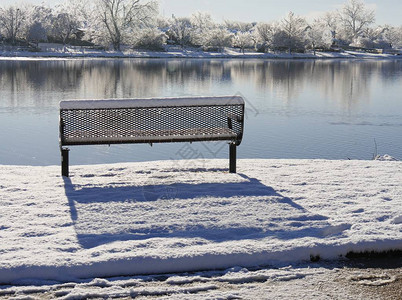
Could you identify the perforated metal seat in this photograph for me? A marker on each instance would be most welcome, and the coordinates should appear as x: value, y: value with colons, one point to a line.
x: 161, y: 120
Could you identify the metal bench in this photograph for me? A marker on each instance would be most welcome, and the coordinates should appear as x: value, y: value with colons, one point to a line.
x: 161, y: 120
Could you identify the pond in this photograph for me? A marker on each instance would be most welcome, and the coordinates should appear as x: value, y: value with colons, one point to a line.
x: 303, y: 109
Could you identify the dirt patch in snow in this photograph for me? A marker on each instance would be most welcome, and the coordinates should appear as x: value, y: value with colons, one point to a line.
x: 375, y: 278
x: 358, y: 278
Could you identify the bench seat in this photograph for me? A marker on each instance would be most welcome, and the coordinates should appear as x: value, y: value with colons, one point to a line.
x: 156, y: 120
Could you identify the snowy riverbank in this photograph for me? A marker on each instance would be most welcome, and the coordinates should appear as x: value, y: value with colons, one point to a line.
x: 78, y: 52
x: 176, y: 216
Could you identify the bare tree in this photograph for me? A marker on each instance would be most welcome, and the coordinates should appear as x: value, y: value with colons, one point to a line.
x: 119, y: 17
x: 12, y: 20
x: 355, y: 18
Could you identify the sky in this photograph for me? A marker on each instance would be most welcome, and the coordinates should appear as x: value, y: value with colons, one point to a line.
x: 387, y: 11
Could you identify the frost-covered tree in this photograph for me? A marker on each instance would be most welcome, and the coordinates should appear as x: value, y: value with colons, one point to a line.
x: 162, y: 23
x: 355, y: 17
x: 37, y: 33
x: 12, y: 20
x: 375, y: 33
x: 202, y: 20
x: 294, y: 28
x: 330, y: 21
x: 243, y: 40
x: 84, y: 16
x: 373, y: 38
x: 318, y: 36
x: 217, y: 38
x: 72, y: 17
x: 202, y: 25
x: 369, y: 43
x: 83, y: 11
x: 40, y: 14
x: 181, y: 31
x: 279, y: 40
x: 236, y: 26
x: 64, y: 26
x: 119, y: 19
x: 393, y: 35
x: 264, y: 34
x: 150, y: 38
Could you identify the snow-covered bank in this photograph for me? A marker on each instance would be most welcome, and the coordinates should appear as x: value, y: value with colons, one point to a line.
x: 170, y: 216
x: 179, y: 53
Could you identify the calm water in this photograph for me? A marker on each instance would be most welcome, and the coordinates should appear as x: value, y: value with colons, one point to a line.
x: 296, y: 109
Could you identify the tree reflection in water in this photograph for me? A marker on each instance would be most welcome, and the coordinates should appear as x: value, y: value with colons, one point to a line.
x: 324, y: 92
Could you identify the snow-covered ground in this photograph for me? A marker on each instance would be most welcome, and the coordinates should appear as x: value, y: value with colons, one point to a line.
x: 175, y: 52
x: 183, y: 216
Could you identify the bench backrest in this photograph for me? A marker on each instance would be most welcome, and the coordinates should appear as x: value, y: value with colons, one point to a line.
x: 156, y: 120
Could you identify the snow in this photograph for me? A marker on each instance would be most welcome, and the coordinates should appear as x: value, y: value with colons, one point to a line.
x: 182, y: 216
x: 151, y: 102
x: 373, y: 280
x: 385, y: 157
x: 200, y: 285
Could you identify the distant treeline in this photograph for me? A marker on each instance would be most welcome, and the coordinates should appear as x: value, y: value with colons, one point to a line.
x: 118, y: 24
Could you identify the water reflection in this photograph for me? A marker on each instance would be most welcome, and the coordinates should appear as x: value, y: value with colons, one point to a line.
x: 343, y: 81
x: 326, y: 92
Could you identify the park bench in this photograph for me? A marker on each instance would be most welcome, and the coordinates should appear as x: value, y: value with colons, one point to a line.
x: 161, y: 120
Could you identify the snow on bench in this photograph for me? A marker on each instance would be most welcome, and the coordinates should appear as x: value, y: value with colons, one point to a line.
x: 151, y: 102
x: 155, y: 120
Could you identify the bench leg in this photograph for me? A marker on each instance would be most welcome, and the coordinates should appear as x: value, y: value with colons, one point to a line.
x: 232, y: 158
x: 64, y: 162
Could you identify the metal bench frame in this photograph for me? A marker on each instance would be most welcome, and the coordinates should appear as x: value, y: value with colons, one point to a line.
x: 157, y: 120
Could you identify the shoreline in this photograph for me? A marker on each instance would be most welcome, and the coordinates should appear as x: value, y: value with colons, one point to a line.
x: 188, y: 54
x: 380, y: 158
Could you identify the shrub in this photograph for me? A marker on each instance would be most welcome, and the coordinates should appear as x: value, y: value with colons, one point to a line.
x: 150, y: 39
